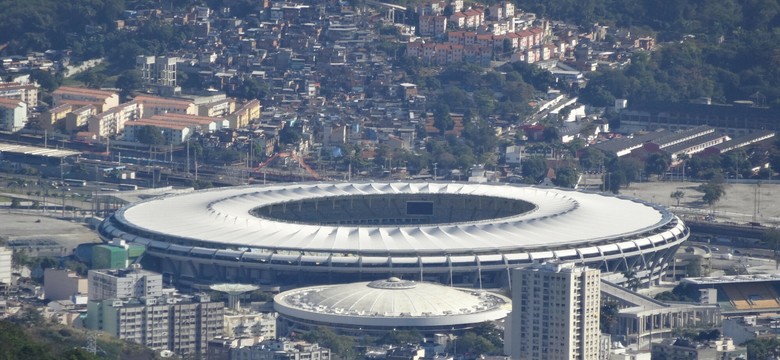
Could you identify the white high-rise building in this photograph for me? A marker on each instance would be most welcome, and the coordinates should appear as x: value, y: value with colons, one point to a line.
x: 555, y: 313
x: 124, y: 284
x: 6, y: 256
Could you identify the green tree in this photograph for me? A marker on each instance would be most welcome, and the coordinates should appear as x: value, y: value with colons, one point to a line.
x: 683, y: 292
x: 442, y: 119
x: 533, y: 168
x: 658, y: 163
x: 712, y: 192
x: 401, y: 337
x: 343, y: 346
x: 763, y: 348
x: 128, y: 81
x: 608, y: 316
x: 677, y: 195
x: 290, y: 134
x: 150, y: 135
x: 613, y: 181
x: 566, y: 177
x: 591, y: 158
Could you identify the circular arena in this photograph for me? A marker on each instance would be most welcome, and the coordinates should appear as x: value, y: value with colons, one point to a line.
x: 384, y: 305
x: 461, y: 234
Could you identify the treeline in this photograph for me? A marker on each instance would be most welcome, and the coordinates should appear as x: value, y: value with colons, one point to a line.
x: 38, y: 25
x: 18, y: 344
x: 745, y: 67
x: 725, y: 49
x: 46, y: 24
x: 671, y: 18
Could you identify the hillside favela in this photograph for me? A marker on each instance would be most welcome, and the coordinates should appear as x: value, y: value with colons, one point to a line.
x: 390, y: 179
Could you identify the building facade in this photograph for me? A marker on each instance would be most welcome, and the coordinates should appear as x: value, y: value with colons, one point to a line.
x: 181, y: 325
x: 62, y: 284
x: 27, y: 93
x: 76, y: 96
x: 555, y: 312
x: 281, y: 350
x: 155, y: 105
x: 123, y: 284
x: 6, y: 263
x: 159, y: 70
x: 112, y: 122
x: 13, y: 114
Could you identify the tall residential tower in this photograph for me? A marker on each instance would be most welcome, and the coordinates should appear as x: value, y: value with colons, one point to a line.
x: 555, y: 312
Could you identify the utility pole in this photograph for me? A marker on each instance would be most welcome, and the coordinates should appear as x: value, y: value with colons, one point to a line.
x: 188, y: 157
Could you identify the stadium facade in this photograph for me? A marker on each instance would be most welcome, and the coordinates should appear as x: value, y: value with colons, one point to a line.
x: 460, y: 234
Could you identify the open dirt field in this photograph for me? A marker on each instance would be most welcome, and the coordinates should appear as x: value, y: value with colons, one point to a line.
x: 739, y: 204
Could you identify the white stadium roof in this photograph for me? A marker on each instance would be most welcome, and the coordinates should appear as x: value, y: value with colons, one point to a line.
x: 561, y: 218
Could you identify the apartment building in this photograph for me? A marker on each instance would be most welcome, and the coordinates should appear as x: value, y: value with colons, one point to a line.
x: 79, y: 117
x: 6, y: 256
x: 141, y: 321
x: 183, y: 325
x: 555, y: 312
x: 193, y: 324
x: 27, y: 93
x: 155, y: 105
x: 112, y: 122
x: 470, y: 18
x: 55, y: 117
x: 128, y: 283
x: 281, y: 349
x: 501, y: 11
x: 449, y: 53
x: 174, y: 132
x: 160, y: 70
x: 196, y: 123
x: 435, y: 25
x: 176, y: 128
x: 13, y: 114
x: 219, y: 108
x: 102, y: 100
x: 246, y: 113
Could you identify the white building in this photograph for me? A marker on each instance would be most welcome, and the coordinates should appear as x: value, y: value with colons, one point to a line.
x: 257, y: 325
x: 555, y: 313
x: 179, y: 324
x: 17, y: 91
x: 513, y: 155
x: 6, y: 256
x: 123, y: 284
x: 281, y: 350
x: 13, y: 114
x: 375, y: 307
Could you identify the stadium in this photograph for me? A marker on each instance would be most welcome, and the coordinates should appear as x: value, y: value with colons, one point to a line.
x: 391, y: 304
x: 741, y: 295
x: 461, y: 234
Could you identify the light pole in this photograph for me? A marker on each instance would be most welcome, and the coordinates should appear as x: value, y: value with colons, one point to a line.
x: 435, y: 172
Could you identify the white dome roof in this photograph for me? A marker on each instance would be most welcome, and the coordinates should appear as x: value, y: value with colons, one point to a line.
x: 392, y: 302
